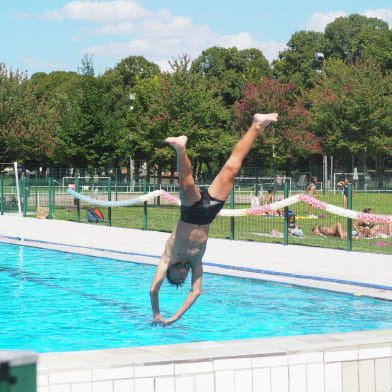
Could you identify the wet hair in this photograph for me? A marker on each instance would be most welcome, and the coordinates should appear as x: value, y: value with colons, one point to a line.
x: 367, y: 210
x: 170, y: 279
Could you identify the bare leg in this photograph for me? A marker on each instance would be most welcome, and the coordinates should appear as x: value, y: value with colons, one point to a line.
x: 189, y: 193
x: 344, y: 201
x: 221, y: 186
x: 335, y: 230
x: 339, y: 231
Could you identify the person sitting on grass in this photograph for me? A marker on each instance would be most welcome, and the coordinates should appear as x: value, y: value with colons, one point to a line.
x: 293, y: 228
x: 365, y: 229
x: 187, y: 243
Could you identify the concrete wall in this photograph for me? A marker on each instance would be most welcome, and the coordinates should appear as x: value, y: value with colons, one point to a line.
x: 346, y: 362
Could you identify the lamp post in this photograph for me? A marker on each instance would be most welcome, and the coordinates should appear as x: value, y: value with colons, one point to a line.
x: 132, y: 97
x: 320, y: 59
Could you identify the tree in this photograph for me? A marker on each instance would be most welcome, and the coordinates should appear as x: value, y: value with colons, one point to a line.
x: 298, y: 63
x: 291, y: 138
x: 54, y: 84
x: 352, y: 108
x: 93, y: 130
x: 232, y: 69
x: 380, y: 50
x: 87, y: 67
x: 178, y: 103
x: 28, y: 122
x: 95, y: 134
x: 351, y: 37
x: 133, y: 68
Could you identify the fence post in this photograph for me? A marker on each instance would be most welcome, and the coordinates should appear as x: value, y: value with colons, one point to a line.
x: 36, y: 191
x: 286, y: 215
x: 145, y: 205
x: 24, y: 195
x: 77, y: 201
x: 349, y: 220
x: 52, y: 197
x: 232, y: 222
x: 109, y: 199
x: 2, y: 196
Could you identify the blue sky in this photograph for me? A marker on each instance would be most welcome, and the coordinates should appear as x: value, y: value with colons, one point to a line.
x: 53, y: 35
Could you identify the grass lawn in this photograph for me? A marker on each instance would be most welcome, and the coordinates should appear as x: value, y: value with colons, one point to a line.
x: 251, y: 228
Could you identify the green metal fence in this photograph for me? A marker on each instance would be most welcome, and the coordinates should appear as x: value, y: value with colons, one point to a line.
x: 48, y: 198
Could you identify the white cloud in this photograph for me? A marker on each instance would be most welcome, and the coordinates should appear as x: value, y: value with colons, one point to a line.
x: 242, y: 41
x: 318, y: 21
x: 382, y: 13
x: 41, y: 64
x: 117, y: 29
x: 271, y: 49
x: 22, y: 15
x: 159, y: 36
x: 106, y: 11
x: 161, y: 48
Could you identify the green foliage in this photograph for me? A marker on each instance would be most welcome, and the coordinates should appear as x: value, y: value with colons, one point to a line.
x: 28, y: 123
x: 93, y: 132
x: 87, y: 68
x: 351, y: 107
x: 297, y: 63
x: 349, y: 37
x: 133, y: 68
x: 232, y: 69
x: 178, y: 103
x: 291, y: 136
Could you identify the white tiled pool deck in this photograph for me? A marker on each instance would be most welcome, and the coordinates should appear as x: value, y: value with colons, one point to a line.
x: 358, y: 361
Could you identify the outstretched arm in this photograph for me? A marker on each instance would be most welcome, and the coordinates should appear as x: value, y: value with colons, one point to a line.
x: 156, y: 285
x: 191, y: 298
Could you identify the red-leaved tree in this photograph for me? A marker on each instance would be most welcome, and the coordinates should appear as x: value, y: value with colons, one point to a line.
x: 291, y: 138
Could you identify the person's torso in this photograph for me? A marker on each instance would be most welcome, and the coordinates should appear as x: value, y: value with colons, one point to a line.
x: 187, y: 242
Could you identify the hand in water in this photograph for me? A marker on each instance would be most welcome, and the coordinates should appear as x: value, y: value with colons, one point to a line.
x: 157, y: 320
x: 169, y: 321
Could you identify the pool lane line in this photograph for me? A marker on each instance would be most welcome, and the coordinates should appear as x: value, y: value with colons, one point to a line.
x: 224, y: 266
x: 28, y: 276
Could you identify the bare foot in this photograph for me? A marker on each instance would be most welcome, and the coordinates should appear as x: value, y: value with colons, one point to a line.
x: 261, y: 121
x: 179, y: 142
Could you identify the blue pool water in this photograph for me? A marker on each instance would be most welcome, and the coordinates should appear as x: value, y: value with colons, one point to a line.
x: 55, y: 301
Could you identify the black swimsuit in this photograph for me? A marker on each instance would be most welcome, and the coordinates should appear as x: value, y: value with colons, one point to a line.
x: 203, y: 211
x: 364, y: 224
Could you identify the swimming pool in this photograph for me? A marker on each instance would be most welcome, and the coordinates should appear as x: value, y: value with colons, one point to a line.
x: 56, y: 301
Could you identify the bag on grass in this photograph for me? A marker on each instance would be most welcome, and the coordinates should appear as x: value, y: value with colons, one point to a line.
x: 95, y: 215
